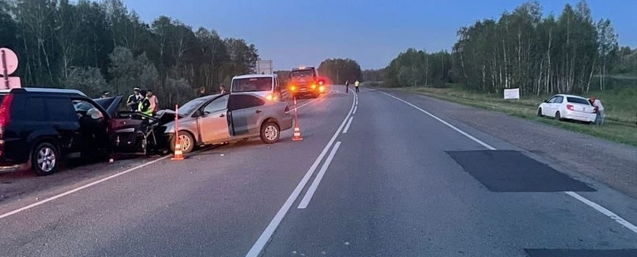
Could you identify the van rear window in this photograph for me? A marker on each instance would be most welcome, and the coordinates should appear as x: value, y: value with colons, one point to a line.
x: 252, y: 84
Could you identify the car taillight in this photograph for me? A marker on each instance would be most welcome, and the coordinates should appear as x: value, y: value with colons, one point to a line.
x: 5, y: 112
x: 292, y: 88
x: 570, y: 107
x: 313, y: 86
x: 5, y: 115
x: 321, y: 82
x: 322, y: 88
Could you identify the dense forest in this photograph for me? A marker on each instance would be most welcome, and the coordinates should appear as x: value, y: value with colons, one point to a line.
x: 97, y: 46
x: 567, y: 53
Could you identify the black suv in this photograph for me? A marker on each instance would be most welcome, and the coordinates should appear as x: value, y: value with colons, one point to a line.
x: 39, y: 127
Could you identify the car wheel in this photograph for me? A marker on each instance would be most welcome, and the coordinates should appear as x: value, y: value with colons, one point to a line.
x: 558, y: 116
x: 270, y: 133
x: 539, y: 112
x: 186, y: 140
x: 45, y: 159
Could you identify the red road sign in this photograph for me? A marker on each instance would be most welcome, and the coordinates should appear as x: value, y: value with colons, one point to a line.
x: 9, y: 61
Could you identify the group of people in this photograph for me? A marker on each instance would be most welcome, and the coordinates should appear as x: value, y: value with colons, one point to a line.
x: 599, y: 110
x: 143, y: 101
x: 356, y: 84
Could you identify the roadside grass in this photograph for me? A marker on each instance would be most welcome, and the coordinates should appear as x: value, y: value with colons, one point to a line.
x: 620, y: 105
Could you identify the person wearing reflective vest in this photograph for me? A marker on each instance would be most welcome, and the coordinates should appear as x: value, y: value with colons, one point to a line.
x: 144, y: 105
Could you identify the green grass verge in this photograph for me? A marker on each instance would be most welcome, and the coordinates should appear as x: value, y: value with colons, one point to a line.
x: 620, y: 110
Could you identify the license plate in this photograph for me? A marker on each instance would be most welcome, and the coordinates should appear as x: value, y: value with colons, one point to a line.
x: 304, y: 89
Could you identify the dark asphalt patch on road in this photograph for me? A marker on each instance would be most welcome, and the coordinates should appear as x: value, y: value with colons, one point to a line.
x: 580, y: 253
x: 512, y: 171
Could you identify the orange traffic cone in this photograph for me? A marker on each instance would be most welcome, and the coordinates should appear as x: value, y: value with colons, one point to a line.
x: 178, y: 156
x: 297, y: 130
x: 297, y: 134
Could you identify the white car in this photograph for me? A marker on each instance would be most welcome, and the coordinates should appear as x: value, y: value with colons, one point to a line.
x: 568, y: 107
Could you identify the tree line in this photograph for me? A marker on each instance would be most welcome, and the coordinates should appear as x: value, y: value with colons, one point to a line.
x: 96, y: 46
x: 339, y: 70
x: 570, y: 53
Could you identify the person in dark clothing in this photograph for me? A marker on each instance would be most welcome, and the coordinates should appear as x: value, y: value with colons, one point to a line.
x: 134, y: 99
x: 202, y: 91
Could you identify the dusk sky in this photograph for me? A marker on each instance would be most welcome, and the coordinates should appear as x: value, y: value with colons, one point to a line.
x: 294, y: 33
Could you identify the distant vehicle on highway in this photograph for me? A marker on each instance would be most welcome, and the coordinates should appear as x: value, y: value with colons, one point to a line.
x: 568, y: 107
x: 221, y: 118
x: 265, y: 85
x: 305, y: 81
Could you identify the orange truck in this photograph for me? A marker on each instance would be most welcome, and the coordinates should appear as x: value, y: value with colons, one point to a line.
x: 304, y: 81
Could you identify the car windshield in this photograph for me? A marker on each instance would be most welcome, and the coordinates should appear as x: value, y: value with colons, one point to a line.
x: 191, y: 106
x: 301, y: 74
x: 577, y: 100
x: 252, y: 84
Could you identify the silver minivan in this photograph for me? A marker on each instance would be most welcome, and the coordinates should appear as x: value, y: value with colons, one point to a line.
x: 216, y: 119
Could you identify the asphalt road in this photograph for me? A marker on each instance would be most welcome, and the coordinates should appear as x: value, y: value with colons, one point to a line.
x: 375, y: 175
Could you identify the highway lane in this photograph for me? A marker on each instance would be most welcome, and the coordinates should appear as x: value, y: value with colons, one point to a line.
x: 394, y: 188
x: 215, y: 203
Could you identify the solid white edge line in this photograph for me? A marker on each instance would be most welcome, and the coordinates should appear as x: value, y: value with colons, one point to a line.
x: 590, y: 203
x: 444, y: 122
x: 269, y: 230
x: 80, y: 188
x: 355, y: 108
x: 310, y: 192
x: 604, y: 211
x: 348, y: 124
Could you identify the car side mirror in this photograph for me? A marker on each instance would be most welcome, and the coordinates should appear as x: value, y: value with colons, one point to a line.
x: 546, y: 101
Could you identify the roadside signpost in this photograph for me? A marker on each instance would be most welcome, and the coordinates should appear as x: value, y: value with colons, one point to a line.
x: 8, y: 65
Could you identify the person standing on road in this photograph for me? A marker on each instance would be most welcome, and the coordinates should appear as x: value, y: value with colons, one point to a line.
x: 133, y: 100
x: 222, y: 89
x: 347, y: 86
x: 154, y: 103
x: 356, y: 84
x: 599, y: 120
